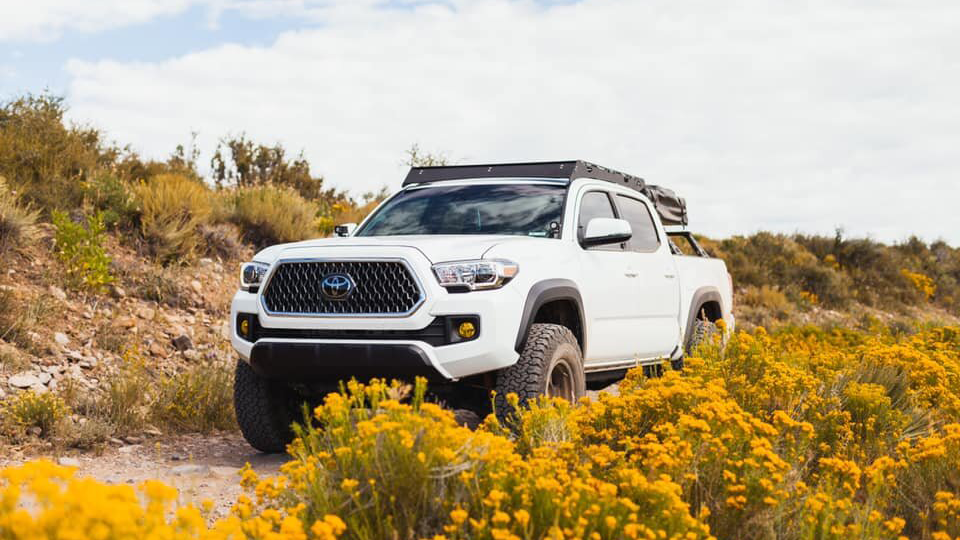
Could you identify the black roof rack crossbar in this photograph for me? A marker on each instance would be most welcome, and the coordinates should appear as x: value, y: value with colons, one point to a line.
x: 672, y: 208
x: 567, y: 170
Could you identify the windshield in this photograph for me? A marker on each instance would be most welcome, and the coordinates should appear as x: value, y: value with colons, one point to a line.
x: 514, y: 209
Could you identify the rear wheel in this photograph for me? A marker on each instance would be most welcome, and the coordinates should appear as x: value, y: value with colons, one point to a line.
x: 550, y: 364
x: 700, y: 334
x: 265, y: 409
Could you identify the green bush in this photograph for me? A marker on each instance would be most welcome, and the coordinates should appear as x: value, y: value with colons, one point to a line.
x: 17, y: 221
x: 172, y: 208
x: 272, y: 215
x: 81, y: 250
x: 112, y: 196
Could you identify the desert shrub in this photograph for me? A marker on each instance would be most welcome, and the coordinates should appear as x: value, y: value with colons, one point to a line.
x: 198, y: 399
x: 271, y: 215
x: 393, y: 470
x: 221, y: 240
x: 113, y: 198
x: 22, y: 313
x: 17, y: 220
x: 41, y: 157
x: 110, y: 337
x: 80, y: 248
x: 30, y: 409
x: 172, y: 208
x: 162, y: 285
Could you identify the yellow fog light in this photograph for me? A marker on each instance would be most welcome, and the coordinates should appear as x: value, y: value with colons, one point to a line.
x: 466, y: 330
x: 245, y: 327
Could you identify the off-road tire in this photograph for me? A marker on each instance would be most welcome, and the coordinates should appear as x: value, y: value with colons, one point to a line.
x: 265, y: 410
x: 702, y: 330
x: 548, y: 346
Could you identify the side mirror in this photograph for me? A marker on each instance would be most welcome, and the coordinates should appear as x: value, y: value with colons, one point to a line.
x: 344, y: 230
x: 603, y: 231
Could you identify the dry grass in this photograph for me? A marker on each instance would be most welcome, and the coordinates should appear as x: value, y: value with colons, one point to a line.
x: 271, y: 215
x: 17, y: 220
x: 173, y: 207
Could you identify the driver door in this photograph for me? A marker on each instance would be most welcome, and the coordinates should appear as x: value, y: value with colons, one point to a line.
x: 607, y: 288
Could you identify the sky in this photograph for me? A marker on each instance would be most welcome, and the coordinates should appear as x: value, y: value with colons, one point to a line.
x: 791, y: 116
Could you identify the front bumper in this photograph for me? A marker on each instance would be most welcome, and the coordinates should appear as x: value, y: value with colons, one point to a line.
x: 309, y: 361
x: 319, y: 357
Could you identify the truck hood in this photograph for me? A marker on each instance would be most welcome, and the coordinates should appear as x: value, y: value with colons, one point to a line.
x: 436, y: 248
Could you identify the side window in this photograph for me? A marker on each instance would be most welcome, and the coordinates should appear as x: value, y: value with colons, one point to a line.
x: 644, y: 237
x: 596, y: 204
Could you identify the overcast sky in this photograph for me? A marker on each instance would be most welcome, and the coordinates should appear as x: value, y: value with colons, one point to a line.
x: 782, y: 115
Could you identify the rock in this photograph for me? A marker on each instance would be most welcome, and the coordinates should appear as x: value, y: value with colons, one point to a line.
x: 126, y: 322
x: 86, y: 364
x: 177, y: 457
x: 131, y: 439
x: 205, y: 262
x: 44, y: 377
x: 58, y: 293
x: 128, y: 449
x: 191, y: 354
x: 225, y: 330
x: 196, y: 286
x: 157, y: 350
x: 118, y: 291
x: 39, y: 389
x: 35, y: 431
x: 69, y: 462
x: 61, y: 339
x: 146, y: 313
x: 74, y: 355
x: 189, y: 319
x: 181, y: 470
x: 115, y: 441
x: 182, y: 343
x: 24, y: 379
x: 152, y: 432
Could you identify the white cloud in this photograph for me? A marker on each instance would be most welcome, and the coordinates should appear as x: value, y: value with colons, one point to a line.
x: 765, y: 115
x: 46, y: 20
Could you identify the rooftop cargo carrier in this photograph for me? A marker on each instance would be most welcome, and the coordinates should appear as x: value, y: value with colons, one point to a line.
x: 671, y: 207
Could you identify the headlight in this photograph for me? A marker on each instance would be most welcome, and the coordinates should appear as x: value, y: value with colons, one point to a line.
x: 252, y: 274
x: 475, y: 275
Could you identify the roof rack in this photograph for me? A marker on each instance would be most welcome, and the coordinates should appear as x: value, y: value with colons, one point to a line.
x: 546, y: 169
x: 672, y: 209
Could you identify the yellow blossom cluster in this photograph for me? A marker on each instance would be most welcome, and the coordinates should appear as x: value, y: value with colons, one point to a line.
x: 805, y: 433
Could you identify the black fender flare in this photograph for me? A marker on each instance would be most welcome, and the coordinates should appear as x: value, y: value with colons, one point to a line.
x: 540, y: 294
x: 700, y: 297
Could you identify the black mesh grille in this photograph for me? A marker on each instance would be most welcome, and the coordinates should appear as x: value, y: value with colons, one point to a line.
x: 380, y: 287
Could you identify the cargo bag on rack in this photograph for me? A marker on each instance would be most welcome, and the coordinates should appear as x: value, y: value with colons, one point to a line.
x: 671, y: 207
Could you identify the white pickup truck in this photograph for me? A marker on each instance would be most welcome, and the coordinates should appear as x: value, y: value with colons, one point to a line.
x: 533, y: 278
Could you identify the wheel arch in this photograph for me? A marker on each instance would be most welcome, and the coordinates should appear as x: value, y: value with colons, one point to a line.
x: 553, y: 301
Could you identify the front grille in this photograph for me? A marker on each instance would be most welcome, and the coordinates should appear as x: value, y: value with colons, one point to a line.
x: 436, y: 333
x: 379, y: 288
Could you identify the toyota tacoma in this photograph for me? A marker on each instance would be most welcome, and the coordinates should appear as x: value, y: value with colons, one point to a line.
x: 530, y: 278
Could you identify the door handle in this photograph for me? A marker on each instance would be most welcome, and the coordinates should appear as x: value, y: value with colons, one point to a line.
x: 631, y: 274
x: 669, y: 276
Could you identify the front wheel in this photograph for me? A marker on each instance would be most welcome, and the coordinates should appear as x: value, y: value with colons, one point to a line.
x: 265, y: 409
x: 550, y: 364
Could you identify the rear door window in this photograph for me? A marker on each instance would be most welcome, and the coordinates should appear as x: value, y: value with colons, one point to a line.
x: 645, y: 238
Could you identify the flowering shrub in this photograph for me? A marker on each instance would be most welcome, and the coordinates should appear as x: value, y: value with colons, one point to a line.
x: 800, y: 434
